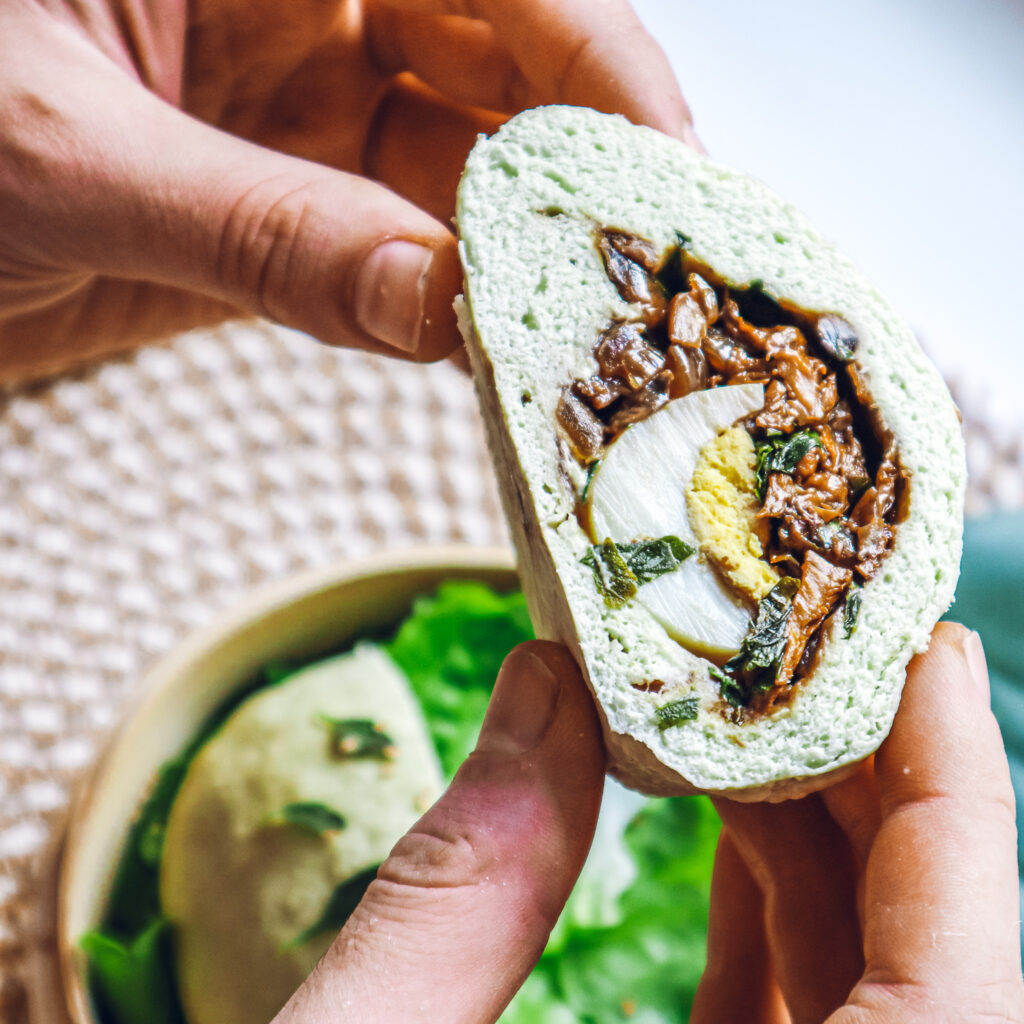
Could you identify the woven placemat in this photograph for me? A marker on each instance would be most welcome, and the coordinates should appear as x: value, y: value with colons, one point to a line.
x: 142, y: 497
x: 145, y: 495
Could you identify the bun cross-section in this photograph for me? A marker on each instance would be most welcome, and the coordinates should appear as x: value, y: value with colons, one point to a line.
x: 733, y: 479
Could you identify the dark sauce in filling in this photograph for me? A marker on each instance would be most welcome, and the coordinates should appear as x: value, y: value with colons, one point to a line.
x: 828, y: 470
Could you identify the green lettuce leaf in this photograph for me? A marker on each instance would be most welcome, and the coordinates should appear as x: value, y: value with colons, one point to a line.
x: 132, y: 981
x: 646, y: 966
x: 451, y: 647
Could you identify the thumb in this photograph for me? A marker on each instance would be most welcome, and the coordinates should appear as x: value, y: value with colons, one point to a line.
x: 462, y: 908
x: 146, y: 192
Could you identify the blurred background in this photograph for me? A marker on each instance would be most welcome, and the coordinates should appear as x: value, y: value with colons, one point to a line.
x: 897, y: 128
x: 141, y: 497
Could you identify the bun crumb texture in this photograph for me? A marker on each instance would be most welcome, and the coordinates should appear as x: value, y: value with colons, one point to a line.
x: 537, y: 297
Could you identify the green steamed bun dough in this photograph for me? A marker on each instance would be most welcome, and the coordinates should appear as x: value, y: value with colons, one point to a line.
x: 239, y: 888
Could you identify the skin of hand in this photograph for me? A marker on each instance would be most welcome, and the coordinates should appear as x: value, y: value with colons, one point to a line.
x: 166, y: 164
x: 462, y: 908
x: 890, y: 898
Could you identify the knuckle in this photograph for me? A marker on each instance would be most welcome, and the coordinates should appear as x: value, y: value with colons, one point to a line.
x: 585, y: 60
x: 514, y: 91
x: 876, y: 999
x: 425, y: 859
x: 261, y: 250
x: 27, y: 286
x: 573, y: 70
x: 461, y: 867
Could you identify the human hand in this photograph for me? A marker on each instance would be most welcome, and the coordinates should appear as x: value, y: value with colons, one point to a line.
x: 462, y: 908
x: 891, y: 897
x: 167, y: 165
x: 894, y: 892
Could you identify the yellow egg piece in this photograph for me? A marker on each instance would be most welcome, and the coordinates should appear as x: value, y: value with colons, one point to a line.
x: 722, y: 507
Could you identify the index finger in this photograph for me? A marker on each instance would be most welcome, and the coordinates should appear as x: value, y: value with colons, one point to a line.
x: 941, y: 889
x: 593, y: 53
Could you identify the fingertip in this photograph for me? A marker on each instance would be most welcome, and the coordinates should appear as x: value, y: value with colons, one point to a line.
x: 951, y: 643
x: 738, y: 983
x: 577, y: 731
x: 945, y: 738
x: 946, y: 696
x: 439, y: 335
x: 390, y: 292
x: 404, y: 289
x: 460, y: 360
x: 946, y: 848
x: 540, y: 700
x: 977, y: 664
x: 554, y: 656
x: 800, y: 859
x: 522, y: 706
x: 689, y: 135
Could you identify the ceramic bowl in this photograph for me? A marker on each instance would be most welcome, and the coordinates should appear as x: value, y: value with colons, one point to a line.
x: 302, y: 617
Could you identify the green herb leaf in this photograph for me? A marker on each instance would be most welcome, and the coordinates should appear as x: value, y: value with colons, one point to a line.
x: 718, y: 675
x: 649, y: 559
x: 151, y: 843
x: 340, y: 905
x: 620, y: 568
x: 732, y: 692
x: 275, y: 672
x: 352, y: 738
x: 310, y: 816
x: 675, y: 712
x: 612, y: 576
x: 765, y: 642
x: 763, y: 647
x: 851, y: 611
x: 782, y: 455
x: 592, y: 469
x: 858, y: 485
x: 131, y: 981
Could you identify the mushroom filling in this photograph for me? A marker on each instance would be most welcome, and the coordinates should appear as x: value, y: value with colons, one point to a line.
x: 830, y: 489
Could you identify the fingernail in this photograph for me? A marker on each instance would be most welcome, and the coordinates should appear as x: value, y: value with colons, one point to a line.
x: 691, y: 138
x: 974, y: 654
x: 390, y: 291
x: 522, y: 706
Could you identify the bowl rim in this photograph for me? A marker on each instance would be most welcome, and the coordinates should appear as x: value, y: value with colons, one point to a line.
x: 253, y: 606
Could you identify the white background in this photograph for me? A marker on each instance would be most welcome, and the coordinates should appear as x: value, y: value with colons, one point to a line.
x: 898, y: 128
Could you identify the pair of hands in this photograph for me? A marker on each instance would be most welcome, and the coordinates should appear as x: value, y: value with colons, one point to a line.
x: 174, y: 164
x: 890, y: 898
x: 170, y: 164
